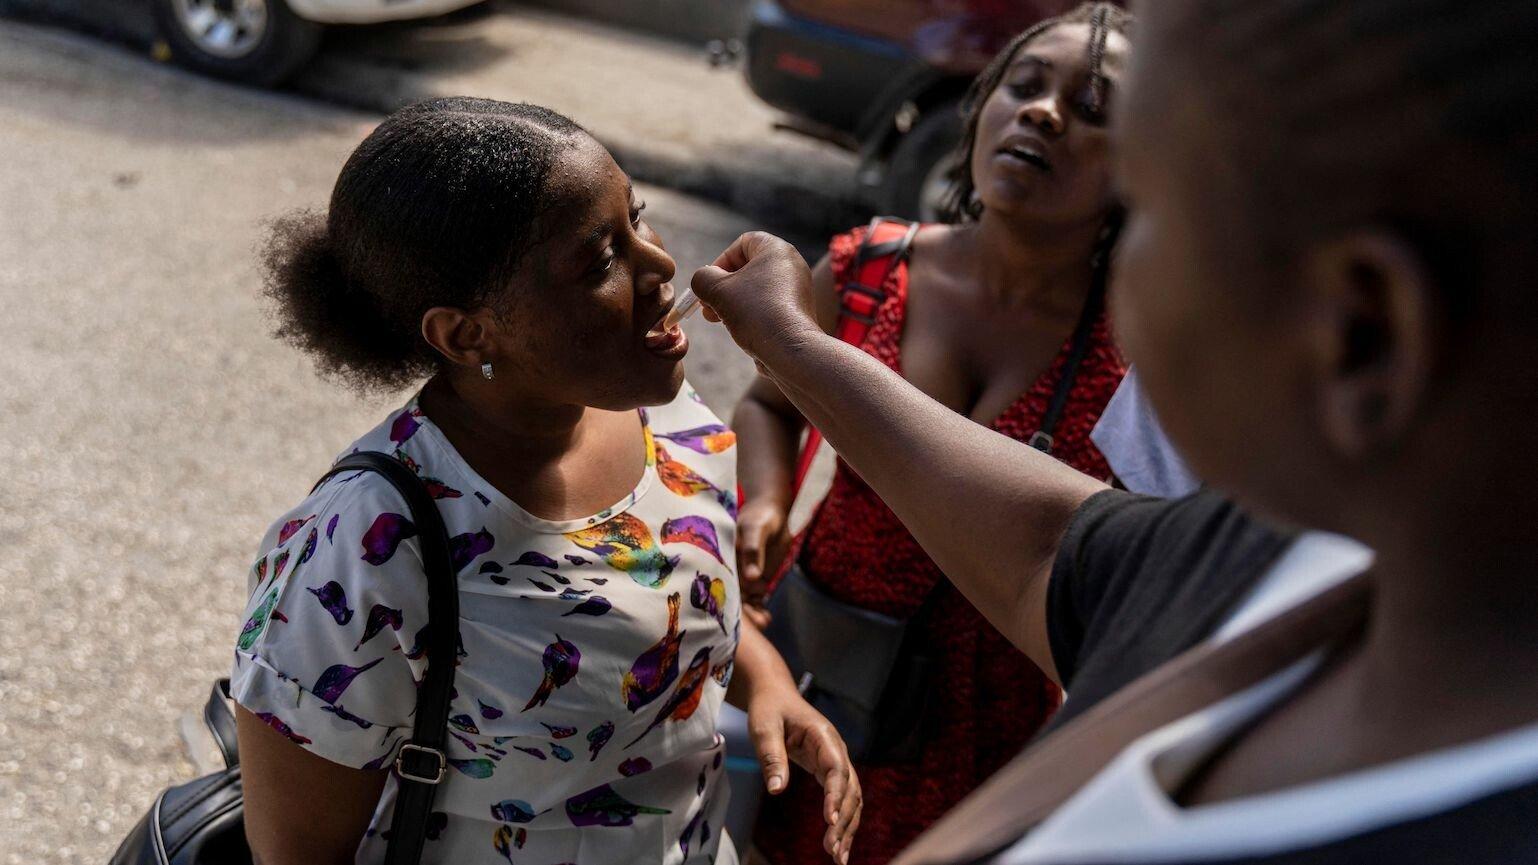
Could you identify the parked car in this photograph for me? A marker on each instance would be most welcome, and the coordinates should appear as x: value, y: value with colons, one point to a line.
x: 884, y: 78
x: 263, y: 42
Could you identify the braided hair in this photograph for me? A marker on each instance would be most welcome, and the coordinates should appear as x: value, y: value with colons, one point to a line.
x: 961, y: 204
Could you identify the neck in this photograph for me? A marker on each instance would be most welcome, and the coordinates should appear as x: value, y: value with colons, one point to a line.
x: 494, y: 422
x: 1453, y: 621
x: 1020, y: 262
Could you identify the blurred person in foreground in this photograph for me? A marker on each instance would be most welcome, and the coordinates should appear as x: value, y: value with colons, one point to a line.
x: 494, y: 257
x: 1328, y: 296
x: 984, y: 315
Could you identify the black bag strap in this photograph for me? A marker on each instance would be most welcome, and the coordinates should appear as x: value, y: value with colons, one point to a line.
x: 220, y: 721
x: 421, y: 762
x: 1043, y: 439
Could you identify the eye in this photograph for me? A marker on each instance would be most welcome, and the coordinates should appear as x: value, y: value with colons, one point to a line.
x: 1027, y: 88
x: 605, y: 262
x: 1091, y: 106
x: 635, y: 214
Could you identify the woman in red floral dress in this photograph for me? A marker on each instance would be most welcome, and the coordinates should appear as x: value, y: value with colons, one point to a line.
x: 979, y: 315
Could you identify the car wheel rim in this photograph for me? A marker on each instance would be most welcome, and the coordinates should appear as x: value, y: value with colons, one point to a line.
x: 223, y: 28
x: 935, y: 189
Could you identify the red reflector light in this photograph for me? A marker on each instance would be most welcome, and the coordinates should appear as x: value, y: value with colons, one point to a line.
x: 795, y: 64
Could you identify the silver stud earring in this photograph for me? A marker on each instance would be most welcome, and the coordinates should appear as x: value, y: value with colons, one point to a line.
x: 487, y: 372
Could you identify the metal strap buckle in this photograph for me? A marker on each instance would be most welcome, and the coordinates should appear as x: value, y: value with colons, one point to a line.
x: 400, y: 764
x: 1041, y: 441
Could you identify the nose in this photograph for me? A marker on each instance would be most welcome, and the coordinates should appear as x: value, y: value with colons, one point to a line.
x: 654, y: 267
x: 1044, y: 114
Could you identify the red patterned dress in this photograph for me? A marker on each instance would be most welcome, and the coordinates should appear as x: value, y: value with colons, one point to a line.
x: 988, y: 697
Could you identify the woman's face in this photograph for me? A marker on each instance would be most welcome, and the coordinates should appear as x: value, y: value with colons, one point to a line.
x: 1042, y: 147
x: 586, y: 295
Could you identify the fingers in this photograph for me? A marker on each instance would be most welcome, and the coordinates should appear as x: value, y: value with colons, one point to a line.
x: 750, y: 552
x: 756, y: 615
x: 769, y: 743
x: 842, y: 797
x: 706, y: 283
x: 746, y: 248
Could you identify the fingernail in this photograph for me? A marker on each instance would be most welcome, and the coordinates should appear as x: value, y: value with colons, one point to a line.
x: 775, y: 783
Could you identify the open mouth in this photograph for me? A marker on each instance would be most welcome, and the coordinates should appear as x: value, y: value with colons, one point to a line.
x: 665, y: 340
x: 1028, y: 154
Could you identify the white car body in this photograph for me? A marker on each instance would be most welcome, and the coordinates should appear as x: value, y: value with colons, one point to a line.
x: 372, y: 11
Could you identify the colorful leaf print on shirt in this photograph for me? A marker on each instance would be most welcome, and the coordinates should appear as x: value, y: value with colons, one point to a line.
x: 711, y: 439
x: 276, y: 723
x: 537, y: 560
x: 292, y: 528
x: 635, y: 766
x: 685, y: 481
x: 334, y: 598
x: 657, y: 667
x: 345, y: 715
x: 688, y: 833
x: 405, y: 426
x: 379, y: 618
x: 468, y: 547
x: 699, y: 531
x: 601, y: 806
x: 384, y: 536
x: 561, y: 661
x: 334, y: 681
x: 310, y: 543
x: 331, y: 527
x: 686, y: 698
x: 625, y: 544
x: 490, y: 713
x: 594, y: 606
x: 722, y: 672
x: 598, y: 737
x: 479, y: 768
x: 559, y: 732
x: 279, y: 564
x: 514, y: 811
x: 440, y: 490
x: 258, y: 621
x: 709, y: 595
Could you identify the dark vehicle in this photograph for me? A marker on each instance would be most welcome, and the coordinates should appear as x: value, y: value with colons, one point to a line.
x: 884, y: 78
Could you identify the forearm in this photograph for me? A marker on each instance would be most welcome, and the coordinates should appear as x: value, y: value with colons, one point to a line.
x: 757, y: 665
x: 767, y: 440
x: 988, y: 509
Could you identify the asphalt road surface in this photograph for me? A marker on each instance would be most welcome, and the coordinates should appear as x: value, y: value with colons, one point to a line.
x: 154, y: 425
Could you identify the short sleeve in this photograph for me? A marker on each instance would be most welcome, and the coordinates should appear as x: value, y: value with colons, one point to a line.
x: 1138, y: 580
x: 328, y: 654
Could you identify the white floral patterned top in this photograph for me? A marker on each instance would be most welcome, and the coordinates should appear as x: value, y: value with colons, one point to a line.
x: 595, y: 652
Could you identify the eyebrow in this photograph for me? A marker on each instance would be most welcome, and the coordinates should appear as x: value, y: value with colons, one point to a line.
x: 1030, y: 60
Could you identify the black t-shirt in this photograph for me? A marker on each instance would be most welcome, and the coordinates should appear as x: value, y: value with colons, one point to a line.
x: 1139, y: 580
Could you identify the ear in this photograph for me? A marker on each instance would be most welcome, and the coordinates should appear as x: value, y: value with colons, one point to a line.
x: 463, y: 338
x: 1375, y: 331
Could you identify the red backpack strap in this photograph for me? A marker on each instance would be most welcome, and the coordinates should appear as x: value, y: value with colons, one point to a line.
x: 886, y: 245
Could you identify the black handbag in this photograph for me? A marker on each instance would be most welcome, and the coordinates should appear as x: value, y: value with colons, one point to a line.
x: 869, y: 673
x: 202, y: 822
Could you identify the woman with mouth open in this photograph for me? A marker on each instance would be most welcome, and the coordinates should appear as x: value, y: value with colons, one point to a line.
x: 980, y: 314
x: 496, y: 252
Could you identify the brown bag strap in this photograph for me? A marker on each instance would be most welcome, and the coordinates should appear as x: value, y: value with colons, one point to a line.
x: 1032, y: 786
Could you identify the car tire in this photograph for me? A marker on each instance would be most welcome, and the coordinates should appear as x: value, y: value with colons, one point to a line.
x: 260, y: 42
x: 915, y: 177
